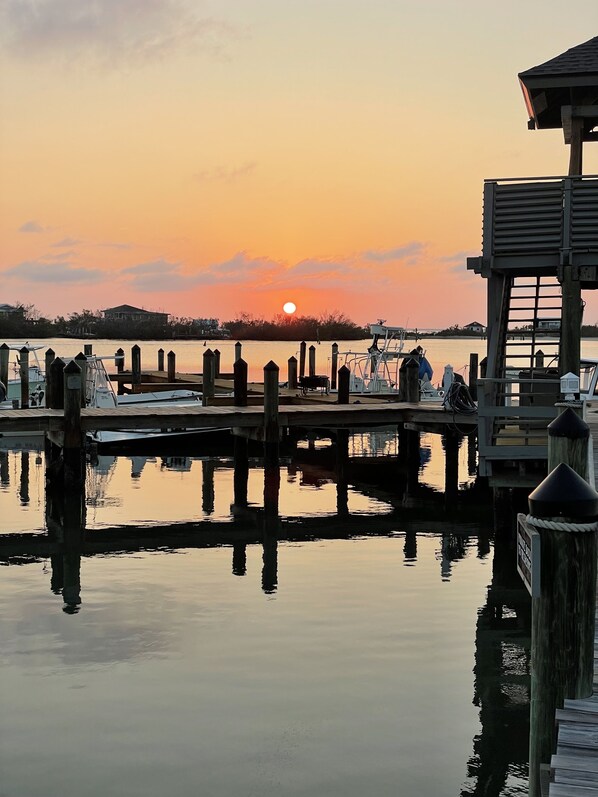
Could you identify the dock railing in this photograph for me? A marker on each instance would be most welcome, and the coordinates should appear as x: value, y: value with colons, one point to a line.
x: 513, y: 414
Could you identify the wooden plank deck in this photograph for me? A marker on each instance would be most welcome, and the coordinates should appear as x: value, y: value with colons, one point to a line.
x: 194, y: 417
x: 574, y: 767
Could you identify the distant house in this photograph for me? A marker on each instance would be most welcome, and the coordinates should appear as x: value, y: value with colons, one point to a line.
x: 548, y: 324
x: 125, y: 312
x: 9, y: 309
x: 475, y: 327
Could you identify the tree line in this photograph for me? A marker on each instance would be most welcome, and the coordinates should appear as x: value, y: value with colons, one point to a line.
x: 27, y: 323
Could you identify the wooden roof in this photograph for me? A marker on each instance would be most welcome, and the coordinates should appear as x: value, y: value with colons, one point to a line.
x: 569, y: 80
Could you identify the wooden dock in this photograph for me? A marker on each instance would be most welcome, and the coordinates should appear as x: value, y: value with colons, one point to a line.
x: 322, y: 415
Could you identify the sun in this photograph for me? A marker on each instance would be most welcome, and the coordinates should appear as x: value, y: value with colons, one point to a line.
x: 289, y: 307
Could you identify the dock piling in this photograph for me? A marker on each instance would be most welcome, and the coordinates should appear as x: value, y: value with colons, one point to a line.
x: 4, y: 358
x: 24, y: 376
x: 292, y: 373
x: 344, y: 375
x: 135, y: 368
x: 207, y: 382
x: 302, y: 352
x: 312, y: 361
x: 240, y: 382
x: 334, y: 366
x: 161, y: 360
x: 171, y: 364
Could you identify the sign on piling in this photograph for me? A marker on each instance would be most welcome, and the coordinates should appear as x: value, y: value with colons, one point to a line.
x: 528, y: 556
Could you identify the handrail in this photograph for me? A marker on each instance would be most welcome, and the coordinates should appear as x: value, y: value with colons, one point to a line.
x: 538, y: 179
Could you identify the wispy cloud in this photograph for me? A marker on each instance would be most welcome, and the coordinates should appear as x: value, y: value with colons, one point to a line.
x: 114, y: 245
x: 110, y: 32
x: 64, y: 272
x: 31, y: 226
x: 225, y: 174
x: 65, y: 242
x: 408, y: 253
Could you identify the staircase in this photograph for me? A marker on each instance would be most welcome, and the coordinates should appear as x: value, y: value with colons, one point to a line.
x: 523, y: 379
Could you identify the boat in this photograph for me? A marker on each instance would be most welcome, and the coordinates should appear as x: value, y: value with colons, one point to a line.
x: 100, y: 393
x: 37, y: 377
x: 376, y: 370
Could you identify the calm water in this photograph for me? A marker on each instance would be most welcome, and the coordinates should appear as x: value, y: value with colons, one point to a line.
x: 380, y: 649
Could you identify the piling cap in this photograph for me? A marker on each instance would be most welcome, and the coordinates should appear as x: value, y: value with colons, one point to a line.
x: 564, y: 493
x: 569, y: 424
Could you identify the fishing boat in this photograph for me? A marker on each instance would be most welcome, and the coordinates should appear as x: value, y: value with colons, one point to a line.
x: 100, y: 393
x: 376, y: 370
x: 37, y: 378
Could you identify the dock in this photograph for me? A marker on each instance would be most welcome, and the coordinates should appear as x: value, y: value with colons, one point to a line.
x: 323, y: 415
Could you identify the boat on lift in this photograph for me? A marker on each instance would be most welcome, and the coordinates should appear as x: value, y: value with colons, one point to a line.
x: 376, y: 370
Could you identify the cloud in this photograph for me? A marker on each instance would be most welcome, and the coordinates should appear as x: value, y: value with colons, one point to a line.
x: 109, y: 32
x: 410, y: 253
x: 66, y: 242
x: 153, y: 267
x: 31, y: 226
x: 64, y: 272
x: 114, y: 245
x: 225, y: 174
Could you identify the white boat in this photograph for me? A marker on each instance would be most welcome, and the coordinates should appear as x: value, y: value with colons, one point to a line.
x: 100, y: 393
x: 37, y: 378
x: 376, y: 371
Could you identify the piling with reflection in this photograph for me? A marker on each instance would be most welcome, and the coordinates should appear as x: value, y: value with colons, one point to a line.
x: 334, y: 366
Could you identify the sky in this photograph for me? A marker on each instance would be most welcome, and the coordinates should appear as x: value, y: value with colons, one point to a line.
x: 209, y: 158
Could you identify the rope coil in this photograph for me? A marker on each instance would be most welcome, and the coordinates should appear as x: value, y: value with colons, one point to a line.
x: 560, y: 525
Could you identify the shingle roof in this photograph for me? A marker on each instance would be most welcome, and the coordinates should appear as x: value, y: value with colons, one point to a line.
x: 580, y: 59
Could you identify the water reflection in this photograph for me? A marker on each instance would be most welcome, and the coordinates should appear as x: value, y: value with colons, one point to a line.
x: 396, y: 615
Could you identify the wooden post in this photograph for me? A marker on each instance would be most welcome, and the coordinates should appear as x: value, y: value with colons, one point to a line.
x: 240, y: 382
x: 334, y: 366
x: 539, y: 359
x: 48, y: 360
x: 411, y: 380
x: 216, y: 363
x: 292, y: 372
x: 568, y: 441
x: 135, y: 368
x: 161, y: 360
x: 239, y: 558
x: 119, y: 358
x: 302, y: 350
x: 473, y: 375
x: 171, y: 364
x: 563, y: 616
x: 572, y: 305
x: 81, y: 361
x: 344, y: 376
x: 4, y: 358
x: 238, y: 349
x: 207, y: 381
x: 271, y: 429
x: 312, y: 361
x: 73, y: 434
x: 483, y: 367
x: 24, y: 376
x: 88, y: 349
x: 55, y: 384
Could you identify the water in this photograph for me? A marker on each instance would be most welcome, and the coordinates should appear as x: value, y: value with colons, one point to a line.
x: 380, y: 647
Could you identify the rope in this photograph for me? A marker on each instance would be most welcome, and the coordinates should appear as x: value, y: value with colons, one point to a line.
x: 561, y: 525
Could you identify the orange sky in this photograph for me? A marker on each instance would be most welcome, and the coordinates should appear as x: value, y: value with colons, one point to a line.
x: 225, y: 156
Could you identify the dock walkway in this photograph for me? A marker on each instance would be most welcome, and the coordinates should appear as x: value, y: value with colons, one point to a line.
x: 198, y: 417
